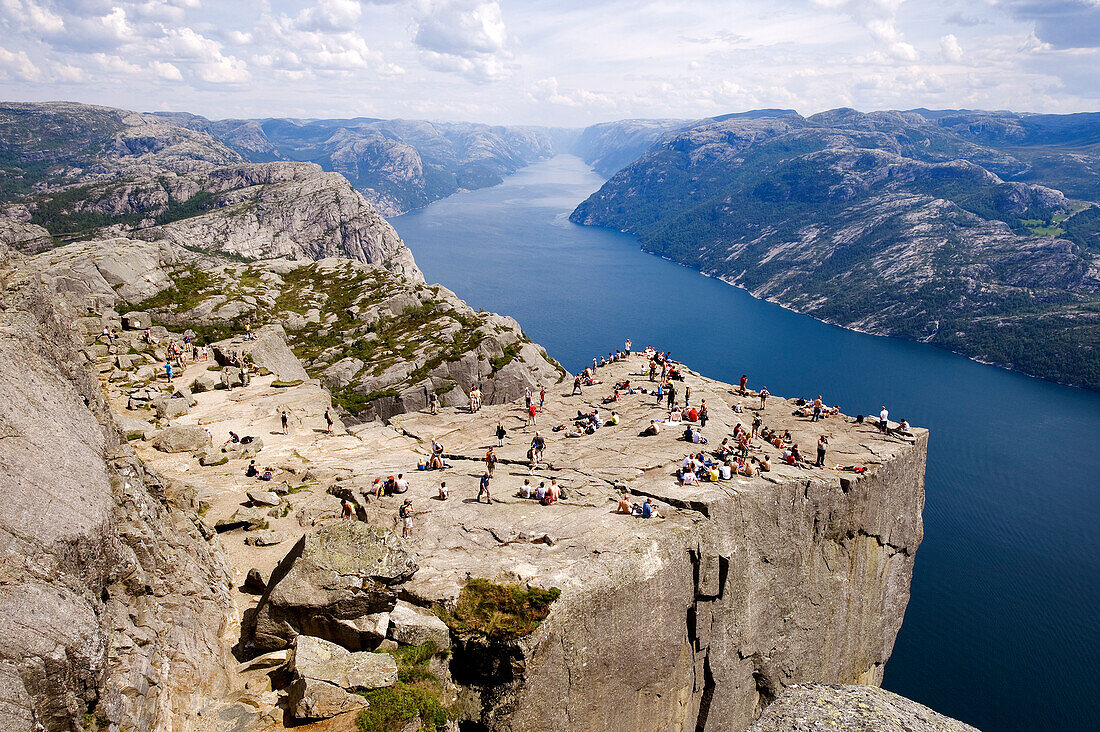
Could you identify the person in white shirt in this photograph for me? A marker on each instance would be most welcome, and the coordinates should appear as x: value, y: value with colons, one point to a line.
x: 884, y: 419
x: 689, y: 478
x: 400, y: 485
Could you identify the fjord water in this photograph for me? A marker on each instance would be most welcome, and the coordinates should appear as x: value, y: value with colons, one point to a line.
x: 1001, y: 630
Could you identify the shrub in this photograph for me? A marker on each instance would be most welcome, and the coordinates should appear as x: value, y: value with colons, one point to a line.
x: 499, y: 612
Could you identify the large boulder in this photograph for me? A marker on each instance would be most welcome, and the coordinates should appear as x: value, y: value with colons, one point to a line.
x: 339, y: 573
x: 182, y: 438
x: 170, y: 408
x: 414, y: 626
x: 268, y: 350
x: 316, y: 658
x: 829, y: 708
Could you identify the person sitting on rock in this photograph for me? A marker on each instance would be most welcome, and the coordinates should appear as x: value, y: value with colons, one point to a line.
x: 526, y: 490
x: 443, y: 492
x: 689, y: 477
x: 652, y: 429
x: 649, y: 510
x: 346, y: 511
x: 400, y: 485
x: 624, y: 504
x: 614, y: 418
x: 251, y: 471
x: 541, y: 491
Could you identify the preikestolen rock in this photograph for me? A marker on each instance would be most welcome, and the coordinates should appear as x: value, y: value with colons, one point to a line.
x: 338, y: 573
x: 182, y: 438
x: 414, y: 626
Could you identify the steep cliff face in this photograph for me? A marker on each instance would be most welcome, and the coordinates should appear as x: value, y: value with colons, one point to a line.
x: 610, y: 146
x: 112, y: 603
x: 890, y: 223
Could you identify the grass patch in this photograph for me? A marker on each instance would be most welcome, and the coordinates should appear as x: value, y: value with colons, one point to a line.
x: 131, y: 436
x: 416, y: 693
x: 214, y: 367
x: 499, y: 612
x: 280, y: 384
x: 509, y: 355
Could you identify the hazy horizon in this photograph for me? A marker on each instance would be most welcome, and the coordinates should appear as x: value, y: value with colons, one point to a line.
x: 567, y: 64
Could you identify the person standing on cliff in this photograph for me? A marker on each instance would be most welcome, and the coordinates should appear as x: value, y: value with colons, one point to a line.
x: 406, y: 512
x: 490, y: 461
x: 744, y: 383
x: 671, y: 399
x: 531, y: 412
x: 576, y: 385
x: 542, y: 398
x: 627, y: 349
x: 328, y: 419
x: 501, y: 433
x: 883, y: 418
x: 687, y: 395
x: 433, y: 403
x: 764, y: 394
x: 822, y: 445
x: 483, y: 487
x: 286, y: 422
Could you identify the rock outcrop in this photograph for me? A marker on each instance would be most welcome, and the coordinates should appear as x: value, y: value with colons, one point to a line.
x: 824, y: 708
x: 112, y: 604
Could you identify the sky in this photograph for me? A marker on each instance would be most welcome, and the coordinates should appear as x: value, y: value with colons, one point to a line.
x: 550, y: 62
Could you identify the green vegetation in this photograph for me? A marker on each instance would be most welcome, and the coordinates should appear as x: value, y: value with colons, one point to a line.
x: 499, y: 612
x: 417, y: 693
x: 280, y: 384
x: 190, y: 286
x: 176, y: 210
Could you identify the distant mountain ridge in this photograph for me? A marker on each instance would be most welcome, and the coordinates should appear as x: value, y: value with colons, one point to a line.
x: 977, y: 232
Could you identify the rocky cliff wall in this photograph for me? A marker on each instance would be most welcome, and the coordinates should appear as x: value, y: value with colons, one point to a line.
x: 112, y: 603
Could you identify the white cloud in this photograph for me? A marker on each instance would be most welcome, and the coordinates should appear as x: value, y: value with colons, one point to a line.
x: 950, y: 48
x: 18, y: 65
x: 466, y: 36
x: 166, y: 71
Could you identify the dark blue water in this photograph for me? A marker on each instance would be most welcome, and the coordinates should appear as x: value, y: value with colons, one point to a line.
x: 1001, y: 630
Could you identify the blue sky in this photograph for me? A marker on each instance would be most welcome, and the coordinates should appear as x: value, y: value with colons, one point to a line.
x: 563, y: 62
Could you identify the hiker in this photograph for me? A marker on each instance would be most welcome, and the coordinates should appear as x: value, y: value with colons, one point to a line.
x: 531, y: 411
x: 652, y: 429
x: 400, y: 485
x: 624, y: 504
x: 501, y: 433
x: 436, y: 461
x: 433, y: 403
x: 285, y: 421
x: 822, y: 445
x: 251, y: 471
x: 703, y: 414
x: 671, y: 399
x: 627, y: 348
x: 660, y: 392
x: 883, y: 416
x: 538, y: 444
x: 764, y: 394
x: 527, y: 397
x: 818, y: 409
x: 526, y: 490
x: 168, y: 370
x: 648, y: 510
x: 346, y: 510
x: 406, y: 513
x: 328, y: 419
x: 756, y: 422
x: 490, y: 461
x: 576, y: 385
x: 744, y: 381
x: 687, y: 395
x: 542, y: 398
x: 443, y: 492
x: 483, y: 488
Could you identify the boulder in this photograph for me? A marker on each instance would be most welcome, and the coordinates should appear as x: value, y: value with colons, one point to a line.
x: 266, y: 538
x: 321, y: 660
x: 248, y: 519
x: 340, y: 572
x: 182, y: 438
x: 254, y: 582
x: 203, y: 383
x: 137, y: 320
x: 413, y: 626
x: 170, y: 408
x: 310, y: 699
x: 268, y: 350
x: 182, y: 392
x: 236, y: 450
x: 131, y: 426
x: 263, y: 498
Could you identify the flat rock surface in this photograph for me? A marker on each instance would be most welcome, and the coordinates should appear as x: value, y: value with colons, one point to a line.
x: 829, y: 708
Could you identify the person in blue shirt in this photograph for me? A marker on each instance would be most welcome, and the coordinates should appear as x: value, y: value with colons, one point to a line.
x: 484, y: 488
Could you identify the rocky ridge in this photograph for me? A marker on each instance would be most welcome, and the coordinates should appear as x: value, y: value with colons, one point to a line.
x: 379, y: 341
x: 78, y: 172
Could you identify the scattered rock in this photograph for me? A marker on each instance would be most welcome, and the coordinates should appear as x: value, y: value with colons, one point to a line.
x: 254, y: 582
x: 266, y: 538
x: 182, y: 438
x: 411, y: 625
x: 203, y: 383
x: 263, y: 498
x: 248, y: 519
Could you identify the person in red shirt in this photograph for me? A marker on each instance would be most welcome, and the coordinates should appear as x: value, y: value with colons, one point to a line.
x: 531, y: 411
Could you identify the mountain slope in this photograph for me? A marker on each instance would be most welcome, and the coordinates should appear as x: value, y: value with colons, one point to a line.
x: 74, y: 172
x: 398, y: 164
x: 891, y: 223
